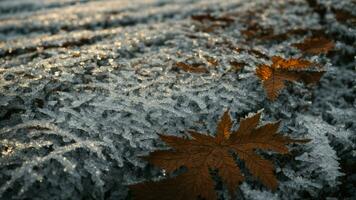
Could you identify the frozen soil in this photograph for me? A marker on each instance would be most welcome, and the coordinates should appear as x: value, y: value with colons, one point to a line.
x: 85, y: 86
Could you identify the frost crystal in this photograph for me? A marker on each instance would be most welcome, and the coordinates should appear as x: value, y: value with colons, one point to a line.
x: 86, y: 86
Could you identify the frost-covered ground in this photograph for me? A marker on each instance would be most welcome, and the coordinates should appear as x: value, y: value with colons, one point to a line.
x: 86, y: 85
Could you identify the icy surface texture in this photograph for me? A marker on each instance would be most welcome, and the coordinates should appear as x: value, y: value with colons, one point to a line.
x: 85, y: 87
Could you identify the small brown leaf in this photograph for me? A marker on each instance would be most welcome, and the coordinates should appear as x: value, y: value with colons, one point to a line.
x: 210, y: 23
x: 344, y: 16
x: 257, y: 31
x: 290, y: 64
x: 203, y: 17
x: 191, y: 68
x: 315, y: 45
x: 256, y: 52
x: 284, y: 36
x: 208, y: 17
x: 281, y: 70
x: 259, y: 54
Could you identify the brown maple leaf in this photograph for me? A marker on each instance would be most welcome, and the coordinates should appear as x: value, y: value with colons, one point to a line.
x: 315, y: 45
x: 202, y: 153
x: 281, y: 70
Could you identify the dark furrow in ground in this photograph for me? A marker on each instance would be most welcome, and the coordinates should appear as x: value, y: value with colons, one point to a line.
x: 31, y: 7
x: 109, y: 19
x: 66, y: 44
x: 100, y: 25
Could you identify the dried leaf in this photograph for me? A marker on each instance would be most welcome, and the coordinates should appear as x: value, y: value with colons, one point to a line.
x: 284, y: 36
x: 208, y: 17
x: 259, y: 54
x: 203, y: 152
x: 191, y: 68
x: 257, y: 31
x: 290, y: 64
x: 213, y: 23
x: 203, y: 17
x: 344, y: 16
x: 281, y: 70
x: 315, y: 45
